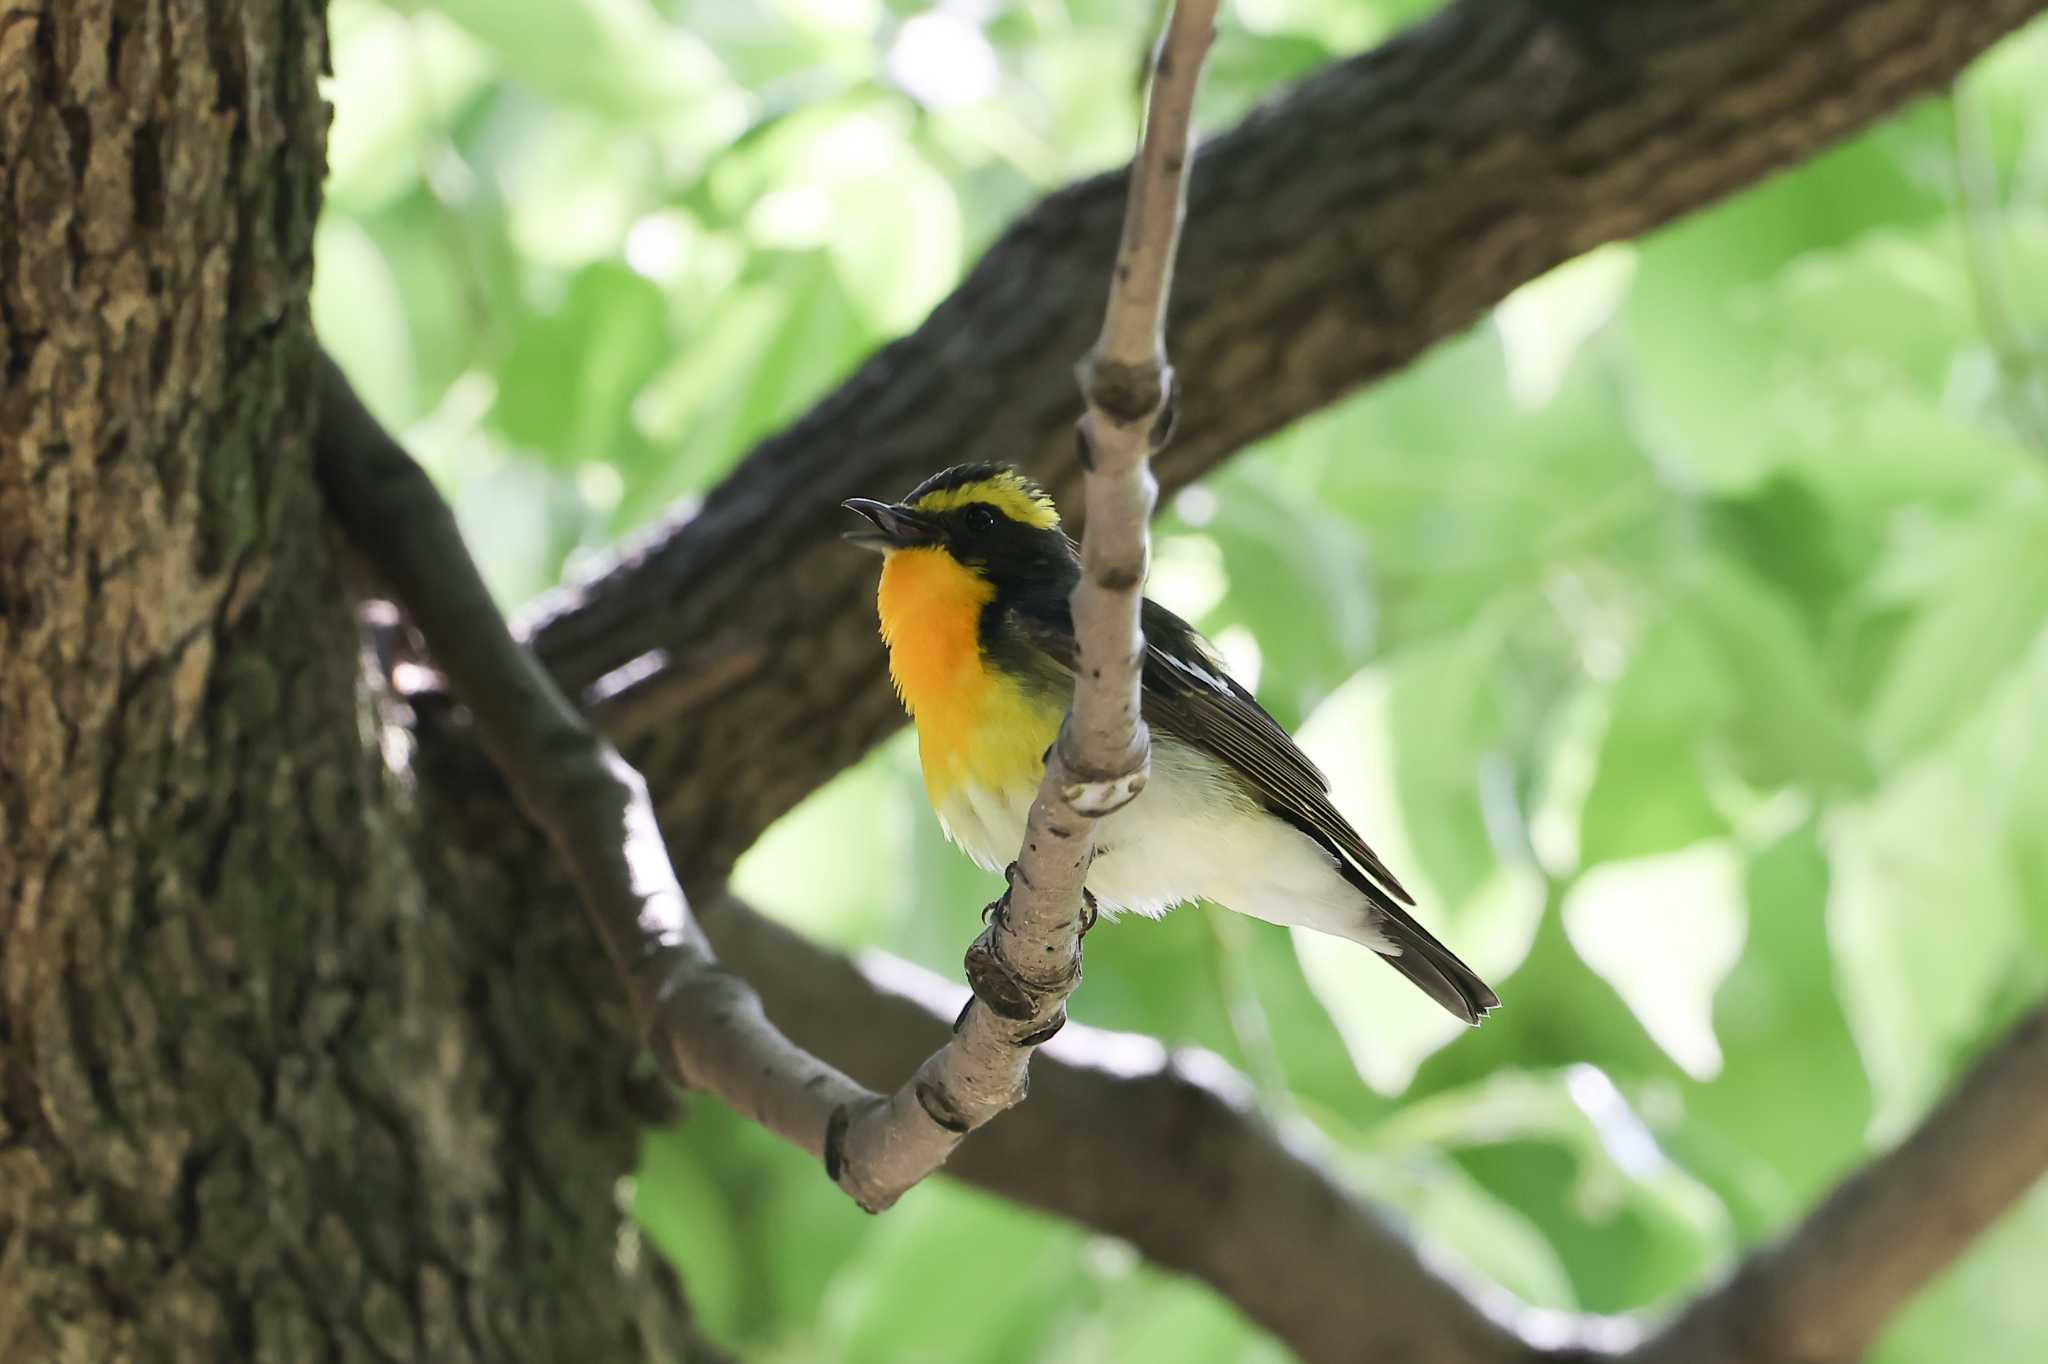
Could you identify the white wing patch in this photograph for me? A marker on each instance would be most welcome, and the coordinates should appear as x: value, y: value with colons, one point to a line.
x: 1208, y: 678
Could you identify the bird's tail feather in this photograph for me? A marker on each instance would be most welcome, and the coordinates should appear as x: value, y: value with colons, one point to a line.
x: 1434, y: 968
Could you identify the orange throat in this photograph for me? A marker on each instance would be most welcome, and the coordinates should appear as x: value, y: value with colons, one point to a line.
x: 931, y: 620
x: 973, y: 724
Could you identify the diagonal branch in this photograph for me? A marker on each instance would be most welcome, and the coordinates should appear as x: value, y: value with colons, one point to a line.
x: 1029, y: 959
x: 705, y: 1023
x: 1823, y: 1293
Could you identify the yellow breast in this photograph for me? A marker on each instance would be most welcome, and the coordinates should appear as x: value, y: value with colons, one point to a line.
x: 974, y: 725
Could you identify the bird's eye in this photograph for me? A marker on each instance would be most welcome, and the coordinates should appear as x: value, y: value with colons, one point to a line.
x: 980, y: 516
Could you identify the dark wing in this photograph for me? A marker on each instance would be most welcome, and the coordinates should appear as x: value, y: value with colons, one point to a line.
x: 1189, y: 695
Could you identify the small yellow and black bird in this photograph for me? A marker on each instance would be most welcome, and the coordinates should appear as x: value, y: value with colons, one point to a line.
x: 973, y: 605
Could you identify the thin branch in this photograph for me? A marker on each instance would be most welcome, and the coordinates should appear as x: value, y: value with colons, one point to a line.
x: 705, y: 1023
x: 1162, y: 1147
x: 1029, y: 959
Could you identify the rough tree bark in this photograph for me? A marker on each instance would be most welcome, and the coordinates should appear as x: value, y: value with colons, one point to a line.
x: 273, y: 1086
x: 302, y: 1058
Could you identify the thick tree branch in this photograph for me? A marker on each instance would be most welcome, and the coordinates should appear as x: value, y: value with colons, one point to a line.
x: 1333, y: 236
x: 1823, y: 1293
x: 1119, y: 1130
x: 1029, y: 959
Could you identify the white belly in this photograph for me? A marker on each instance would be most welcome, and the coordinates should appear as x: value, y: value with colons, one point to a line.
x: 1192, y: 834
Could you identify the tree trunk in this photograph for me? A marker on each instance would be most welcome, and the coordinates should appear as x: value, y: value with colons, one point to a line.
x: 277, y: 1086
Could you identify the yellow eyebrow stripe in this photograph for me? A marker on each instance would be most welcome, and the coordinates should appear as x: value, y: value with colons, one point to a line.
x: 1005, y: 492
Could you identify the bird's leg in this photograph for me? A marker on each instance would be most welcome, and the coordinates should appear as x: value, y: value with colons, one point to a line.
x: 996, y: 911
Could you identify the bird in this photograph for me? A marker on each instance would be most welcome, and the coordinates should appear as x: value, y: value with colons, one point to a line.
x: 973, y: 609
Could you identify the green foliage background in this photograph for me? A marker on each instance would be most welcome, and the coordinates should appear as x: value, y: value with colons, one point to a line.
x: 1681, y: 633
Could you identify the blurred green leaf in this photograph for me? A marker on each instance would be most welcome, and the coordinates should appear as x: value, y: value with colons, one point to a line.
x: 1389, y: 1027
x: 1280, y: 547
x: 361, y: 318
x: 619, y: 56
x: 577, y: 188
x: 1983, y: 598
x: 1562, y: 1012
x: 919, y: 1293
x: 684, y: 1212
x: 1155, y: 1317
x: 1786, y: 723
x: 1663, y: 931
x: 1636, y: 1228
x: 773, y: 346
x: 1725, y: 684
x: 808, y: 1234
x: 1794, y: 544
x: 398, y: 81
x: 1788, y: 1109
x: 858, y: 824
x: 565, y: 390
x: 1471, y: 1226
x: 1447, y: 731
x: 1243, y: 67
x: 1923, y: 989
x: 1650, y: 788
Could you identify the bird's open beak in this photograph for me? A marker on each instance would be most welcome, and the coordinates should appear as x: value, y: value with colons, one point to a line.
x: 894, y: 527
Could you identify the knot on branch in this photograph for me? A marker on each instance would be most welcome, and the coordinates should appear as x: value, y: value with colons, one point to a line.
x: 1009, y: 993
x: 1168, y: 417
x: 1093, y: 792
x: 1099, y: 796
x: 1123, y: 392
x: 938, y: 1105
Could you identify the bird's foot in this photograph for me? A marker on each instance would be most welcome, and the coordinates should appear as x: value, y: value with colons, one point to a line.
x: 996, y: 912
x: 1090, y: 912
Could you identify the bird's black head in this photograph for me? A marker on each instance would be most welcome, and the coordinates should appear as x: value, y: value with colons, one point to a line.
x: 989, y: 518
